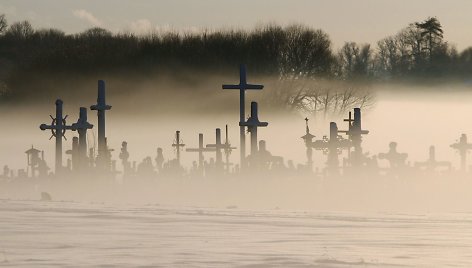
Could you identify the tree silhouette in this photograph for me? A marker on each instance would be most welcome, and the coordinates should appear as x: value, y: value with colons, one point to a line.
x: 3, y: 23
x: 431, y: 29
x: 20, y: 30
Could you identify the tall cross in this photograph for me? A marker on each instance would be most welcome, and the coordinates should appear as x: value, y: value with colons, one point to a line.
x: 82, y: 126
x: 462, y: 146
x: 242, y: 87
x: 178, y: 145
x: 101, y: 107
x: 58, y: 128
x: 253, y: 124
x: 200, y: 150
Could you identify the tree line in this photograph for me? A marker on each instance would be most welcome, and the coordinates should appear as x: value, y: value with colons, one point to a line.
x: 294, y: 52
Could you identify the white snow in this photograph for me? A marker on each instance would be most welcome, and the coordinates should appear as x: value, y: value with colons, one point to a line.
x: 71, y: 234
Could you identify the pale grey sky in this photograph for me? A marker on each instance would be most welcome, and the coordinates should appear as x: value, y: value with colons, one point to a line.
x: 344, y: 20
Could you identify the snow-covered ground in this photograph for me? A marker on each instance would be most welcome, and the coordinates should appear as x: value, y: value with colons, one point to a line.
x: 70, y: 234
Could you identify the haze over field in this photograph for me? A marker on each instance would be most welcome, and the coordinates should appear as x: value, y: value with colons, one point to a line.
x: 388, y: 186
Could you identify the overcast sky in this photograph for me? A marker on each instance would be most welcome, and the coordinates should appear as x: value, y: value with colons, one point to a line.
x: 344, y: 20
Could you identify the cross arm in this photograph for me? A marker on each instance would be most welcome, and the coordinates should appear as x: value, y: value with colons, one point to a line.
x: 100, y: 107
x: 44, y: 127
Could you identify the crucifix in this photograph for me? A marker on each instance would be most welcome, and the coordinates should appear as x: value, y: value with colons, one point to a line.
x: 58, y: 128
x: 355, y: 133
x: 101, y: 107
x: 462, y: 146
x: 178, y: 144
x: 201, y: 149
x: 308, y: 139
x: 253, y: 124
x: 355, y: 130
x: 242, y: 87
x: 82, y: 126
x: 332, y: 147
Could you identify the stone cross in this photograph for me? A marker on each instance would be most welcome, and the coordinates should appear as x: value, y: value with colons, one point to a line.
x: 253, y: 124
x: 101, y: 107
x: 242, y: 87
x: 178, y: 144
x: 58, y: 128
x: 462, y: 146
x: 395, y: 158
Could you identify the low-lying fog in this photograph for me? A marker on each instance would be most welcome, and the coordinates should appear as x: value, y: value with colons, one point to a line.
x: 415, y: 118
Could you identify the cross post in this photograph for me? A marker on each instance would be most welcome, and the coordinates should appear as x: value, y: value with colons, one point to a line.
x: 101, y: 107
x: 242, y: 87
x: 178, y: 145
x: 58, y: 128
x: 82, y: 126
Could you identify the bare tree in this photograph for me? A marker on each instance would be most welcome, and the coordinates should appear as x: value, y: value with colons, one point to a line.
x: 3, y: 24
x: 20, y: 30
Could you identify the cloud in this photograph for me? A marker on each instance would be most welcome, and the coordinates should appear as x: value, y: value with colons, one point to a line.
x: 144, y: 26
x: 141, y: 26
x: 87, y: 16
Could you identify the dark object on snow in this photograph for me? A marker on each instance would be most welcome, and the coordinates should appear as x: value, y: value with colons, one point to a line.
x: 45, y: 196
